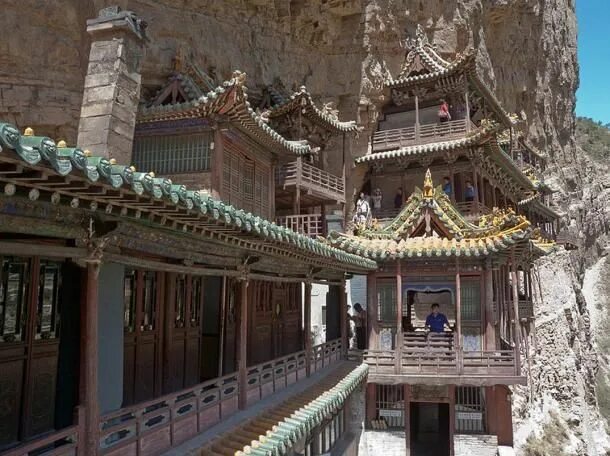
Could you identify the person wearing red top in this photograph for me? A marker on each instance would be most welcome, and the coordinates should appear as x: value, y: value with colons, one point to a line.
x: 443, y: 112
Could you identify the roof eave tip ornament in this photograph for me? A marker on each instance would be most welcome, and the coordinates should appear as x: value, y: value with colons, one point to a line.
x: 420, y: 40
x: 428, y: 185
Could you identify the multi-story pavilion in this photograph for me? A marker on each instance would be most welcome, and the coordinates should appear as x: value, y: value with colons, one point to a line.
x: 466, y: 241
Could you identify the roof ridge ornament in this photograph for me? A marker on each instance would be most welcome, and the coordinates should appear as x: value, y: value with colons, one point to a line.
x: 420, y: 39
x: 428, y: 185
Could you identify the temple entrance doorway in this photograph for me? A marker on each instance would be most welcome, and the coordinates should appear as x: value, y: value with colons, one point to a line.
x: 429, y: 429
x: 419, y: 307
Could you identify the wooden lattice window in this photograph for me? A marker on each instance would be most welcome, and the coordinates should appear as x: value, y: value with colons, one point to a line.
x: 150, y: 300
x: 180, y: 302
x: 245, y: 182
x: 470, y: 410
x: 47, y: 324
x: 471, y: 299
x: 129, y: 301
x: 13, y: 291
x: 390, y: 405
x: 386, y: 299
x: 173, y: 154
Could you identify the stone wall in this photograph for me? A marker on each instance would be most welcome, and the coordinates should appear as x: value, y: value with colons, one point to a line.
x: 475, y: 445
x: 388, y: 443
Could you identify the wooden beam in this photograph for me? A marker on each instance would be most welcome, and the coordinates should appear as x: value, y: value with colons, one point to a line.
x: 490, y: 336
x: 458, y: 315
x: 32, y: 248
x: 517, y: 329
x: 343, y: 318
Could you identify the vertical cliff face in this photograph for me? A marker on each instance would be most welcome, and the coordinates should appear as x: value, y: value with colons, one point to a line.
x: 342, y: 50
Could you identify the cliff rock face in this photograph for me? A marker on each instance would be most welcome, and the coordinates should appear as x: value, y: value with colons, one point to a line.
x: 342, y: 50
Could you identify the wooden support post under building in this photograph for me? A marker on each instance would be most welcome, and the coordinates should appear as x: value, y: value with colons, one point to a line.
x: 221, y: 342
x: 467, y: 101
x: 416, y: 117
x: 372, y: 311
x: 517, y: 325
x: 343, y: 318
x: 451, y: 391
x: 458, y: 316
x: 307, y: 321
x: 407, y: 413
x: 242, y: 347
x: 89, y: 358
x: 399, y: 336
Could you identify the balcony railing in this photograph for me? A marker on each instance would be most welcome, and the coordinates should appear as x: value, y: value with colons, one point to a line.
x: 308, y: 224
x: 526, y: 309
x: 453, y: 362
x: 157, y: 425
x: 312, y: 180
x: 420, y: 134
x: 61, y: 443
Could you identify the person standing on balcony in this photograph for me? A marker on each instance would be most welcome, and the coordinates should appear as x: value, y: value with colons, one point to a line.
x: 443, y: 112
x: 398, y: 198
x: 447, y: 186
x: 360, y: 322
x: 436, y: 321
x: 363, y: 210
x: 377, y: 197
x: 469, y: 192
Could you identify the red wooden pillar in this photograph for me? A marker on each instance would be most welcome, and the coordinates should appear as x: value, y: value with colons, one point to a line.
x: 458, y: 316
x: 451, y: 417
x: 371, y: 406
x: 407, y: 419
x: 307, y: 319
x: 89, y: 357
x: 372, y: 311
x: 242, y: 347
x: 398, y: 306
x: 343, y: 318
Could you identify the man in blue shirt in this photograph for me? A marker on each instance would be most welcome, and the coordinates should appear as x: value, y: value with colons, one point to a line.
x: 447, y: 186
x: 436, y: 321
x: 469, y: 192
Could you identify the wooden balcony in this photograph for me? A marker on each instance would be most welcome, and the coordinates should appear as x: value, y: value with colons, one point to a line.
x: 472, y: 210
x: 311, y: 225
x: 316, y: 185
x: 526, y: 309
x: 437, y: 360
x: 420, y: 134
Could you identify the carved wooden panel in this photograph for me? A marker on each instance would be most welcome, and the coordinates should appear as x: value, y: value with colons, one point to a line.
x: 41, y: 394
x: 11, y: 384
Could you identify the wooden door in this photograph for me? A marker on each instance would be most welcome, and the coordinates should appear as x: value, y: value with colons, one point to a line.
x: 229, y: 364
x: 143, y: 291
x: 261, y: 316
x: 291, y: 319
x: 29, y: 347
x: 279, y: 297
x: 184, y: 298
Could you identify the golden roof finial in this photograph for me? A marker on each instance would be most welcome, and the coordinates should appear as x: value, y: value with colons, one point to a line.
x: 28, y: 132
x: 113, y: 161
x: 87, y: 153
x: 151, y: 174
x: 428, y: 186
x: 132, y: 168
x: 62, y: 143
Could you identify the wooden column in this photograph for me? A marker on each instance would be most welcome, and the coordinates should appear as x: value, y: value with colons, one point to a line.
x: 297, y: 195
x: 372, y: 311
x: 407, y: 419
x: 517, y: 324
x: 370, y: 404
x: 242, y: 347
x: 495, y: 202
x: 89, y: 358
x: 343, y: 318
x: 452, y: 180
x: 467, y: 101
x: 218, y: 157
x: 398, y: 305
x: 490, y: 336
x: 221, y: 342
x: 451, y: 389
x: 475, y: 183
x: 458, y: 315
x: 416, y: 117
x: 307, y: 324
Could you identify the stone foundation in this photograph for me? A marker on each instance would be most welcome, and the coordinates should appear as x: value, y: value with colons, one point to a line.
x: 475, y: 445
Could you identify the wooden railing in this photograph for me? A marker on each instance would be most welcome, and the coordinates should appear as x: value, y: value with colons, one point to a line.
x: 308, y: 224
x: 159, y: 424
x: 325, y: 354
x: 267, y: 378
x: 473, y: 208
x: 418, y: 361
x: 311, y: 179
x: 419, y: 134
x: 60, y: 443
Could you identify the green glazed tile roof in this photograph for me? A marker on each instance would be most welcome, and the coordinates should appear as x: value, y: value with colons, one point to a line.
x: 295, y: 419
x: 230, y: 100
x: 493, y: 234
x: 301, y: 100
x: 37, y: 151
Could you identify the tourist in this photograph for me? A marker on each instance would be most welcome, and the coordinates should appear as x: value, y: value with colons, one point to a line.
x: 360, y: 322
x: 443, y: 112
x: 469, y: 192
x: 436, y: 321
x: 363, y: 210
x: 447, y: 186
x: 376, y: 198
x: 398, y: 198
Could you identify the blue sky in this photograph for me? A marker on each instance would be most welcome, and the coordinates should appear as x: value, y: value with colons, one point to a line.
x: 593, y: 96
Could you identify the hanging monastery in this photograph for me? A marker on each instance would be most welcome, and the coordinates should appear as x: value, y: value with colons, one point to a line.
x: 156, y: 278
